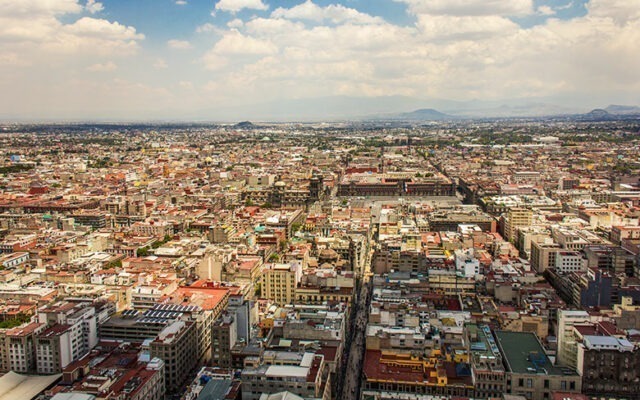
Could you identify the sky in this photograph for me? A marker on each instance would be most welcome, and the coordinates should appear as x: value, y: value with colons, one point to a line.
x: 181, y: 59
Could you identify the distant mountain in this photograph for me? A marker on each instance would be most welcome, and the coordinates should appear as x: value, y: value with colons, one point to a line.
x: 425, y: 114
x: 244, y: 125
x: 597, y: 114
x: 618, y: 109
x: 395, y: 109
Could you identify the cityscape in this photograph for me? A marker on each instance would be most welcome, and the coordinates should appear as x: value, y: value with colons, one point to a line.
x: 319, y: 200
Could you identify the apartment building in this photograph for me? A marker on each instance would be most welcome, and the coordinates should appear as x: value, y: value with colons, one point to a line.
x: 177, y: 346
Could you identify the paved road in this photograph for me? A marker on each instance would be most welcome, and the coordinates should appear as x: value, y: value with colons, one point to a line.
x: 350, y: 388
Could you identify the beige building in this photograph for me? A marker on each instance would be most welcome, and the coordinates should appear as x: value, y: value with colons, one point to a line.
x: 516, y: 218
x: 18, y: 349
x: 279, y: 282
x: 543, y: 255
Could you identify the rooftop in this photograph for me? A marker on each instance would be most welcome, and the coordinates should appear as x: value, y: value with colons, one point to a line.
x: 524, y: 354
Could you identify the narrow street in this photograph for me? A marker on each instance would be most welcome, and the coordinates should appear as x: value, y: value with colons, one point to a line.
x: 352, y: 369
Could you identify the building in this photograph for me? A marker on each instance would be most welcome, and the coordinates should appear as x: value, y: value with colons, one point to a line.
x: 489, y: 375
x: 530, y: 373
x: 612, y: 259
x: 213, y: 383
x: 158, y: 229
x: 543, y: 255
x: 114, y: 371
x: 177, y: 346
x: 406, y: 375
x: 224, y: 336
x: 610, y: 367
x: 18, y: 347
x: 466, y: 263
x: 279, y: 281
x: 82, y: 320
x: 304, y: 379
x: 567, y: 352
x: 516, y: 218
x: 570, y: 261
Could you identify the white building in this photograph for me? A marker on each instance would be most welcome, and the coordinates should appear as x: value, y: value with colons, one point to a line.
x: 466, y: 263
x: 570, y: 261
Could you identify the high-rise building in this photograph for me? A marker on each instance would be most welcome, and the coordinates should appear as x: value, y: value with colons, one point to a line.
x: 567, y: 353
x: 516, y: 218
x: 279, y: 282
x: 177, y: 346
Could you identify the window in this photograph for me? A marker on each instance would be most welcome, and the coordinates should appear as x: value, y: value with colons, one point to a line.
x: 529, y: 382
x: 521, y: 382
x: 546, y: 384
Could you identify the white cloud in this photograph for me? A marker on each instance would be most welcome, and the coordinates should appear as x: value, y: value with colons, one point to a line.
x: 93, y: 6
x: 181, y: 2
x: 13, y: 59
x: 103, y: 67
x: 206, y: 28
x: 97, y: 36
x: 233, y: 42
x: 179, y: 44
x: 621, y: 11
x: 310, y: 50
x: 235, y: 23
x: 334, y: 13
x: 37, y: 8
x: 35, y: 26
x: 160, y: 63
x: 451, y: 52
x: 545, y: 10
x: 439, y: 27
x: 234, y: 6
x: 470, y: 7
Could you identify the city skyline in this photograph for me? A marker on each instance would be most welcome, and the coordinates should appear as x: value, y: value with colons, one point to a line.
x: 188, y: 59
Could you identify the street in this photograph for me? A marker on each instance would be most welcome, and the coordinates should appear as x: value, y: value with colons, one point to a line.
x: 352, y: 378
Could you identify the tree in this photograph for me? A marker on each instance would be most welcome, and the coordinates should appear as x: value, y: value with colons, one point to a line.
x: 143, y: 251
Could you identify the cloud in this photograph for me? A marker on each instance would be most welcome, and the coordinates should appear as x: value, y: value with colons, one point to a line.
x: 38, y: 8
x: 104, y: 67
x: 470, y: 7
x: 235, y: 23
x: 13, y: 59
x: 160, y: 63
x: 181, y: 2
x: 312, y: 50
x: 97, y: 36
x: 233, y: 42
x: 545, y: 10
x: 233, y: 6
x: 93, y: 6
x: 36, y: 26
x: 334, y: 13
x: 620, y: 11
x: 206, y: 28
x: 179, y: 44
x: 456, y: 49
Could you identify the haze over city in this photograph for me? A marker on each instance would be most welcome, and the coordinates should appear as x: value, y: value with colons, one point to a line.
x: 226, y: 60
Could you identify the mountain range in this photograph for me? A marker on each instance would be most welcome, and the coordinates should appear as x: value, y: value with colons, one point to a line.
x: 395, y: 108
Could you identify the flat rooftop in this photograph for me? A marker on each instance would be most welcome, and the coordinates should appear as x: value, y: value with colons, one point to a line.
x: 524, y: 354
